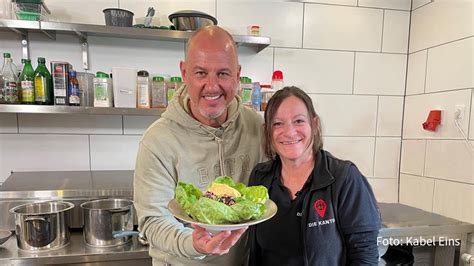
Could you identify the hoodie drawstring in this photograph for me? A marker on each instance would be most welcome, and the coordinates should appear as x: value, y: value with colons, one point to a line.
x: 220, y: 150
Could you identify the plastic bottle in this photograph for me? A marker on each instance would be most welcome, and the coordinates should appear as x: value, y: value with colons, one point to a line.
x: 256, y: 96
x: 267, y: 93
x: 158, y: 93
x: 173, y: 86
x: 277, y: 80
x: 10, y: 85
x: 74, y: 91
x: 43, y: 84
x: 27, y: 83
x: 246, y: 91
x: 143, y: 89
x: 103, y: 91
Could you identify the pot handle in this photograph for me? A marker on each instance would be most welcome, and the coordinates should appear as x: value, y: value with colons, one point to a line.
x: 119, y: 234
x: 34, y: 218
x: 125, y: 211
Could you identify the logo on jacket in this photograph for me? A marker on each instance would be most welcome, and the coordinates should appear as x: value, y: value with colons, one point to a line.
x: 320, y: 207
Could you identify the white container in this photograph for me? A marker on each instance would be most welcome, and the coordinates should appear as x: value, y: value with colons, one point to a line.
x: 125, y: 87
x: 103, y: 91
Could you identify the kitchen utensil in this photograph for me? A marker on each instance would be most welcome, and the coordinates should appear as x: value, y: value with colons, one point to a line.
x: 42, y: 225
x: 191, y: 20
x: 118, y: 17
x: 149, y: 16
x: 4, y: 236
x: 108, y: 222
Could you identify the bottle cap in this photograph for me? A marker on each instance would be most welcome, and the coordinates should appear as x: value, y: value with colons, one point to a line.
x: 176, y: 79
x: 158, y: 79
x: 277, y: 74
x: 100, y: 74
x: 41, y: 60
x: 6, y: 55
x: 143, y: 73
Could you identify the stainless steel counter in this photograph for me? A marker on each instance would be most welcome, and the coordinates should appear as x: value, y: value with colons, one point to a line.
x: 76, y: 253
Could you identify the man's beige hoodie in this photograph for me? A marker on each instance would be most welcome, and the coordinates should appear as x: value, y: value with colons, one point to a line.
x: 178, y: 147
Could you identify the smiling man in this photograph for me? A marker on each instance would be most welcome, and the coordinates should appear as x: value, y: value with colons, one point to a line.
x: 205, y: 132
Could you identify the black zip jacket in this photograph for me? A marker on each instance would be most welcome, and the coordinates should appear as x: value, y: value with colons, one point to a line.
x: 340, y: 217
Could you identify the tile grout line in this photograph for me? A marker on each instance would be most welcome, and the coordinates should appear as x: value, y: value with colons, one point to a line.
x: 426, y: 71
x: 375, y: 139
x: 383, y: 24
x: 438, y: 179
x: 302, y: 28
x: 353, y: 74
x: 445, y: 43
x: 433, y: 196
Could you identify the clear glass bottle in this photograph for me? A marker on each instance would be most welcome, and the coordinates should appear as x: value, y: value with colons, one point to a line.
x: 43, y: 84
x: 10, y: 84
x: 143, y: 89
x: 158, y: 93
x: 27, y: 83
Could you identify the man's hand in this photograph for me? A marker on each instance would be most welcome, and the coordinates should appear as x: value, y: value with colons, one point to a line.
x: 215, y: 244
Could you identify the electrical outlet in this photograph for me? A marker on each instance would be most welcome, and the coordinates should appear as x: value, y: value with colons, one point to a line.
x: 459, y: 112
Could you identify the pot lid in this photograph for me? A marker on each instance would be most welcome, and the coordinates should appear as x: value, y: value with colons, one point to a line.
x: 191, y: 13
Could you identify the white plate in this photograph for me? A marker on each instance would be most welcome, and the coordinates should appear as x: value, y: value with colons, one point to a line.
x: 179, y: 213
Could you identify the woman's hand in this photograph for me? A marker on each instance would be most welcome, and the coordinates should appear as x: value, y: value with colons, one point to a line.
x: 218, y: 244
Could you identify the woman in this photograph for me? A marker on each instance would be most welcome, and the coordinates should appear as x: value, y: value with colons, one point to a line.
x: 327, y: 213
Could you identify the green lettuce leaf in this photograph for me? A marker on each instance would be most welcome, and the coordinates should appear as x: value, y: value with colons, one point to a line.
x: 210, y: 211
x: 187, y: 195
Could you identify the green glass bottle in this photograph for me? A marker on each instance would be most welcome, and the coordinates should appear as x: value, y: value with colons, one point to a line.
x: 27, y: 83
x: 43, y: 84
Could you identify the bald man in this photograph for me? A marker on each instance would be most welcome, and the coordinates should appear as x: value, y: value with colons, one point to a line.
x: 205, y: 132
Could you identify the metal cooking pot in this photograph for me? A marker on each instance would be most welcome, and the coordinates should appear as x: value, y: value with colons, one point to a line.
x: 191, y: 20
x: 42, y: 225
x: 108, y: 222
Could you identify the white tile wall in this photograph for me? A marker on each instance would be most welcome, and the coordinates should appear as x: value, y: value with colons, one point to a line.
x: 396, y: 26
x: 8, y: 123
x: 389, y: 116
x: 360, y: 30
x: 64, y: 48
x: 382, y: 74
x: 85, y: 11
x: 416, y: 73
x: 136, y: 125
x: 440, y: 22
x: 280, y: 20
x: 258, y: 67
x: 385, y: 190
x: 163, y: 8
x: 451, y: 66
x: 392, y: 4
x: 419, y: 3
x: 70, y: 124
x: 471, y: 131
x: 109, y: 152
x: 449, y: 159
x: 154, y: 56
x: 359, y: 150
x: 417, y: 108
x: 413, y: 157
x: 417, y: 191
x: 454, y: 200
x: 11, y: 43
x: 355, y: 115
x: 334, y: 2
x: 316, y: 71
x: 387, y: 157
x: 38, y: 152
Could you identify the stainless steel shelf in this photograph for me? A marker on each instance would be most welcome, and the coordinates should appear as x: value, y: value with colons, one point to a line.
x: 44, y: 109
x: 85, y: 30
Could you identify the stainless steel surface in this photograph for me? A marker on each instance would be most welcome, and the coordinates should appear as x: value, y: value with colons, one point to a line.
x: 84, y: 30
x: 191, y: 20
x: 56, y: 109
x: 4, y: 236
x: 77, y: 252
x: 42, y: 225
x: 72, y: 186
x: 104, y: 217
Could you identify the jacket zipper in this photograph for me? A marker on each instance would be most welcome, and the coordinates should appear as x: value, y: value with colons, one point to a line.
x: 303, y: 222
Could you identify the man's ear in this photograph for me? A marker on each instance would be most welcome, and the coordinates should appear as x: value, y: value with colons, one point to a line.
x: 182, y: 68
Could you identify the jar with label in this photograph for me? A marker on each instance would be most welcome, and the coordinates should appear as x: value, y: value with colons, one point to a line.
x: 103, y: 91
x: 173, y: 86
x: 267, y: 93
x: 158, y: 93
x: 143, y: 89
x: 246, y: 91
x: 27, y: 81
x: 74, y: 91
x: 10, y: 85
